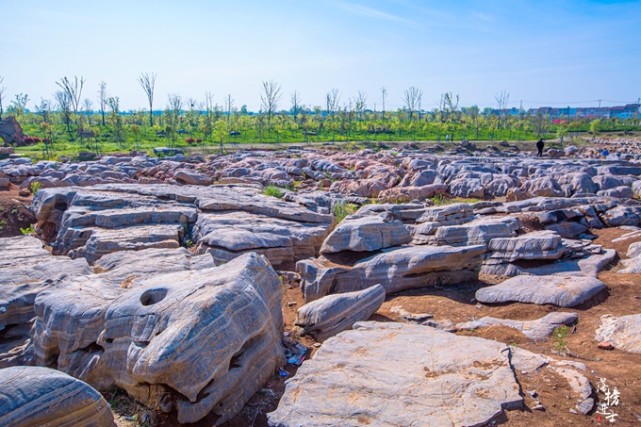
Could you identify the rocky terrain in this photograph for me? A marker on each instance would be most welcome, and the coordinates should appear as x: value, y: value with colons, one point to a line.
x: 468, y: 286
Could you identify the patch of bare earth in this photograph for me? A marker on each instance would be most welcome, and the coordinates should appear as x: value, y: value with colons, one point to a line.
x: 14, y: 212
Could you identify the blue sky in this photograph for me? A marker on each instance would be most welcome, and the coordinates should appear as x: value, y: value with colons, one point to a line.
x: 540, y: 52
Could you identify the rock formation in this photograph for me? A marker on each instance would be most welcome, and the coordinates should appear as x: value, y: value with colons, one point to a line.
x: 34, y: 396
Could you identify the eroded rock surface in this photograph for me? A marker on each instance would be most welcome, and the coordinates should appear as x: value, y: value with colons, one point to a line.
x: 537, y: 330
x: 149, y: 339
x: 332, y: 314
x: 400, y: 374
x: 622, y: 332
x: 562, y: 291
x: 227, y: 221
x: 396, y: 269
x: 35, y: 396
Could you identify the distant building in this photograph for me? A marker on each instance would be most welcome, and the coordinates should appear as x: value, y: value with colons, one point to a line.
x: 558, y: 114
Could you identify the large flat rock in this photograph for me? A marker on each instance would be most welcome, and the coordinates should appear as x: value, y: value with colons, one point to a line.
x: 562, y: 291
x: 396, y: 374
x: 537, y: 330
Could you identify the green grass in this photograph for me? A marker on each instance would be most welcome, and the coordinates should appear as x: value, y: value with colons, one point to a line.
x: 274, y: 191
x: 28, y: 231
x: 342, y: 210
x: 132, y: 131
x: 440, y: 200
x: 34, y: 187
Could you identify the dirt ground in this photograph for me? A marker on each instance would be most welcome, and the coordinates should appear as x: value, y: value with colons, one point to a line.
x: 14, y: 212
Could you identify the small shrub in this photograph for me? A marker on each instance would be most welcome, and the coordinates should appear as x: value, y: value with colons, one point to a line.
x: 34, y: 187
x: 3, y: 224
x: 274, y: 192
x: 560, y: 334
x: 342, y: 210
x: 438, y: 200
x: 28, y: 231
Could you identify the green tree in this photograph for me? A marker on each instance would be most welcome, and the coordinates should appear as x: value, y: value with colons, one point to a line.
x: 595, y: 126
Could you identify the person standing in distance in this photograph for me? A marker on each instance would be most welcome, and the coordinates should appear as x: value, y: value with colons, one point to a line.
x: 539, y: 147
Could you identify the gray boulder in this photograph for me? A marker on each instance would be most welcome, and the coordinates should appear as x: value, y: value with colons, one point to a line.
x: 332, y: 314
x: 478, y: 232
x: 562, y: 291
x: 366, y: 234
x: 26, y: 269
x: 189, y: 177
x: 34, y: 396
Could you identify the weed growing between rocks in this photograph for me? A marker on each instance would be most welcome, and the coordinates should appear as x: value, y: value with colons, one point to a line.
x: 34, y: 187
x: 342, y: 210
x: 560, y: 334
x: 28, y: 230
x: 274, y: 191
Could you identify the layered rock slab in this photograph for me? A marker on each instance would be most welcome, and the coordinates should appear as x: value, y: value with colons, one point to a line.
x: 228, y: 220
x: 562, y: 291
x: 400, y: 374
x: 537, y: 330
x: 366, y: 234
x: 332, y: 314
x: 35, y: 396
x: 396, y: 269
x: 26, y: 269
x: 195, y: 341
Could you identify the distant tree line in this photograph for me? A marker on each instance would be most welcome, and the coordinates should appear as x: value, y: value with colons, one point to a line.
x: 70, y: 119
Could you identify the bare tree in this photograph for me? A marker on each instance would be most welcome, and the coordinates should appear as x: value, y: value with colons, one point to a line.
x: 116, y: 119
x: 450, y: 104
x: 360, y: 102
x: 44, y: 109
x: 102, y: 98
x: 209, y: 115
x: 270, y: 97
x: 295, y: 100
x: 148, y: 83
x: 383, y: 98
x: 64, y: 104
x: 229, y: 104
x: 332, y: 99
x: 73, y: 89
x: 19, y: 104
x: 412, y: 98
x: 175, y: 106
x: 2, y: 89
x: 502, y: 98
